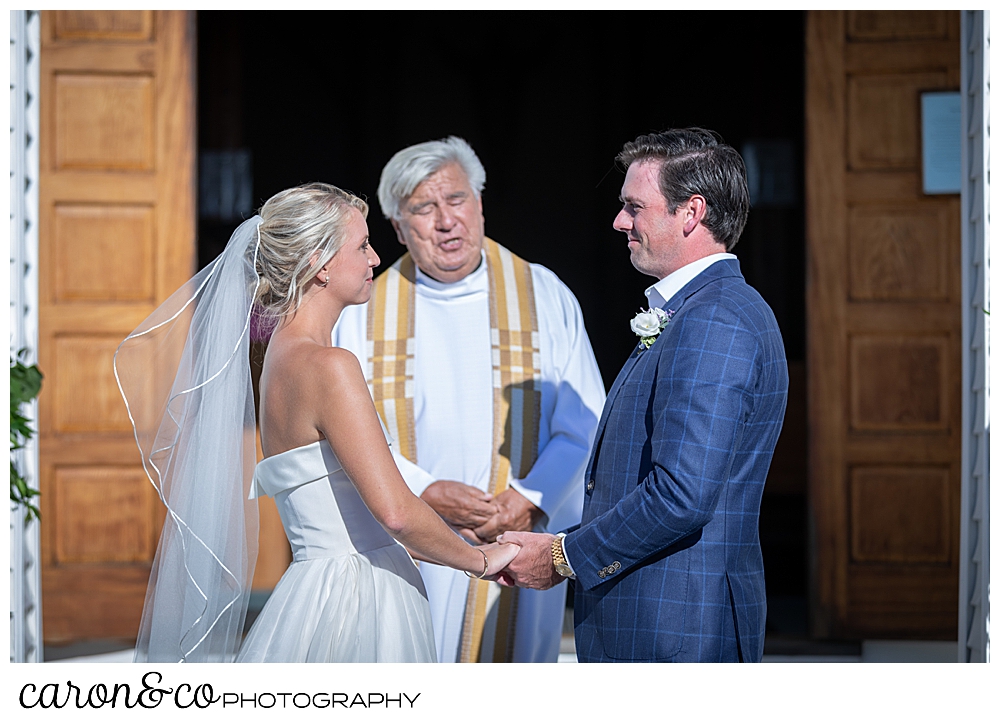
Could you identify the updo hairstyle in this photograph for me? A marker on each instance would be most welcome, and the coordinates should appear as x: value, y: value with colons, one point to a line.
x: 301, y: 229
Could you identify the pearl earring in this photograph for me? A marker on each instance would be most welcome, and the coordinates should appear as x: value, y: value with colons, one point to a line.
x: 325, y: 281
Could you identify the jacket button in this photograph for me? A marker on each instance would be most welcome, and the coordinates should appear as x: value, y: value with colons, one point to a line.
x: 590, y: 486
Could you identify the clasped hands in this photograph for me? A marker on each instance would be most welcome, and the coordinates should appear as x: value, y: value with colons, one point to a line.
x: 478, y: 516
x: 506, y: 518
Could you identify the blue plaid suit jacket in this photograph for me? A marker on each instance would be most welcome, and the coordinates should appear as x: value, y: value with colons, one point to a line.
x: 667, y: 555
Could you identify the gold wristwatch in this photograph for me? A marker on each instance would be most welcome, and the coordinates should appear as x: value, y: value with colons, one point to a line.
x: 559, y: 557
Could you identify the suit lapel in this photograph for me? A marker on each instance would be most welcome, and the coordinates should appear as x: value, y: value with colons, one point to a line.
x: 718, y: 270
x: 622, y: 376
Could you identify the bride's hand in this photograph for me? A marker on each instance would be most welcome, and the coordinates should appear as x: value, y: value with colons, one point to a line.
x: 499, y: 556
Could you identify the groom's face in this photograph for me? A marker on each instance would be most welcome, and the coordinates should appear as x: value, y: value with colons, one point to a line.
x: 441, y: 224
x: 654, y: 234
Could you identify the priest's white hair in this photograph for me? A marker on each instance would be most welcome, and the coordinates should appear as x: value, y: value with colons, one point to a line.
x: 411, y: 166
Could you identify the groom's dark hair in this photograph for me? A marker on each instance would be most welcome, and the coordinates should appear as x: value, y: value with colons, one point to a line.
x: 697, y: 161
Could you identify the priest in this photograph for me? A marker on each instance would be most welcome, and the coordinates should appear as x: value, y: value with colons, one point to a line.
x: 482, y: 371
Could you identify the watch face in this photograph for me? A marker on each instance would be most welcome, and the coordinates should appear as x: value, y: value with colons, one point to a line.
x: 564, y: 570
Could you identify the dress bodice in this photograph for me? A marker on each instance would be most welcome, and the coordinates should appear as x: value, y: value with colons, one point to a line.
x: 321, y: 510
x: 352, y: 593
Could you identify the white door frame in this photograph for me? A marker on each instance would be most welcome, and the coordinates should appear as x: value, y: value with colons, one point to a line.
x: 25, y: 547
x: 974, y: 570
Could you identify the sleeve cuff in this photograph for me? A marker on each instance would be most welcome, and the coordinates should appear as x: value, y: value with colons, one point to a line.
x: 569, y: 563
x: 535, y: 498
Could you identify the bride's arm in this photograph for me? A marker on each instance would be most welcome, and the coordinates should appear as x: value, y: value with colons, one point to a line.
x: 347, y: 418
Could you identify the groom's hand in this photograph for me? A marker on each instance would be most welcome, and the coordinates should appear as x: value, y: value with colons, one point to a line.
x: 514, y: 512
x: 533, y: 565
x: 461, y: 505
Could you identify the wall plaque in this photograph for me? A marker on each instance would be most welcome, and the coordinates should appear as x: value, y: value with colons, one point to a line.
x: 941, y: 136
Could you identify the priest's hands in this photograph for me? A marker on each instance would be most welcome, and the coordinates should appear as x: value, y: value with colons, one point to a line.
x: 533, y: 565
x: 462, y: 506
x: 514, y: 512
x: 477, y: 516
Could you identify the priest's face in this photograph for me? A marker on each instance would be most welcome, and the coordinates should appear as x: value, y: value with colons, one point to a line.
x: 442, y: 225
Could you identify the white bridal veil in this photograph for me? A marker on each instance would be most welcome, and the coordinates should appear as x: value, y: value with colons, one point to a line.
x: 184, y: 374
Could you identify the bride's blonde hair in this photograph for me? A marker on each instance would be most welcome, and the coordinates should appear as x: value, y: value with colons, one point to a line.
x: 301, y: 229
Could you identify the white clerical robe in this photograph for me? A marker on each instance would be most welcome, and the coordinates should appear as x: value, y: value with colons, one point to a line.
x: 453, y: 414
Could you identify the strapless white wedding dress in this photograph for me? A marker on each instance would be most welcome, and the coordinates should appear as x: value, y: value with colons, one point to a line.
x: 352, y: 593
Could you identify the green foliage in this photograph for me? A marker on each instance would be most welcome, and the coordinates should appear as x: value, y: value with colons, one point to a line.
x: 25, y: 383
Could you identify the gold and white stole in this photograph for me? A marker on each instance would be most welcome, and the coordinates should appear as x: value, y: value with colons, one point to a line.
x: 491, y: 610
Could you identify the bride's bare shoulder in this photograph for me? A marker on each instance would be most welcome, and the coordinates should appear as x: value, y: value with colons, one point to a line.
x: 295, y: 358
x: 308, y: 364
x: 341, y: 364
x: 342, y: 384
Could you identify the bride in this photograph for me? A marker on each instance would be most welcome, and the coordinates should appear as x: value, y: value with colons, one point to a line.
x: 352, y: 592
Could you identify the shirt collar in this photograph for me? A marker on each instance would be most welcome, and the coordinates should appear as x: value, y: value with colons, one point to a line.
x: 663, y: 290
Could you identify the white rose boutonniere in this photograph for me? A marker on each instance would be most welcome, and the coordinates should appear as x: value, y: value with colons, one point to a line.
x: 648, y: 324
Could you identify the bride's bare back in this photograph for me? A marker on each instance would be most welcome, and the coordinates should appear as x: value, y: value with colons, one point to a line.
x: 299, y: 380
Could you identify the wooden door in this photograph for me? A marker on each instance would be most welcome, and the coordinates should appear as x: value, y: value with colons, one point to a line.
x: 116, y: 237
x: 884, y: 330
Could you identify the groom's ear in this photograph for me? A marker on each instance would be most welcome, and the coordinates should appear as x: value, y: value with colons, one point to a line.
x: 694, y: 211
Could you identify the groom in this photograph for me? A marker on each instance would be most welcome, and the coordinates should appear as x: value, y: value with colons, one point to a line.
x: 667, y: 559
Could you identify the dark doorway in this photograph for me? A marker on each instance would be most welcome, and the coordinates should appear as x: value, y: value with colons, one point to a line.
x: 546, y: 99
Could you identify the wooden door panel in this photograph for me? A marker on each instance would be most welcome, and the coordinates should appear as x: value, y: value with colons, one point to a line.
x: 898, y: 25
x: 900, y: 514
x: 86, y: 235
x: 894, y: 251
x: 95, y: 601
x: 116, y: 237
x: 884, y: 330
x: 122, y: 25
x: 886, y: 601
x: 883, y: 119
x: 104, y: 121
x: 84, y: 392
x: 125, y: 532
x: 897, y: 382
